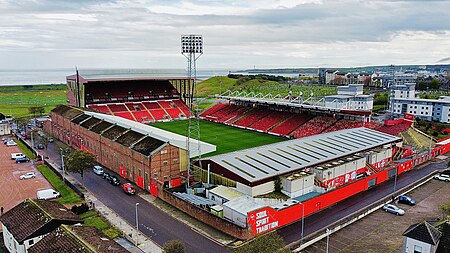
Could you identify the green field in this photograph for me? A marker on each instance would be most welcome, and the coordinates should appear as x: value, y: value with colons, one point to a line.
x: 15, y: 100
x: 226, y: 138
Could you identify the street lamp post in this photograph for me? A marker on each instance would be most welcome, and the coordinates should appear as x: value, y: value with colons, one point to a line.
x: 328, y: 238
x: 62, y: 166
x: 137, y: 224
x: 303, y: 220
x: 395, y: 180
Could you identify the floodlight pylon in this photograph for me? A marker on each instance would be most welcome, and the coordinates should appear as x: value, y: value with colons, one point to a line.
x: 192, y: 49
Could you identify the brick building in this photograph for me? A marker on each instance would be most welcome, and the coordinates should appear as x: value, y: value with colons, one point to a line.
x: 143, y: 154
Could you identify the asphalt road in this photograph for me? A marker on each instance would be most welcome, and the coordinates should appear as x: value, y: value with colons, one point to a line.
x: 153, y: 222
x: 161, y: 227
x: 327, y: 216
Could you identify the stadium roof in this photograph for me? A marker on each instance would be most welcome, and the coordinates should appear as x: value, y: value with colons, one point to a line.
x: 94, y: 76
x: 280, y: 158
x: 163, y: 135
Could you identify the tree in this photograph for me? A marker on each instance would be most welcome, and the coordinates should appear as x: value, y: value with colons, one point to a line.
x: 445, y: 208
x: 79, y: 162
x: 277, y: 184
x: 173, y: 246
x: 269, y: 243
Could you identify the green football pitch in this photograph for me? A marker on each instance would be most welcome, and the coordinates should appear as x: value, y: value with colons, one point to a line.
x: 226, y: 138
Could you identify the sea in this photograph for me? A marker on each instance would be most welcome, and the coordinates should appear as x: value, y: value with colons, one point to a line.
x: 58, y: 76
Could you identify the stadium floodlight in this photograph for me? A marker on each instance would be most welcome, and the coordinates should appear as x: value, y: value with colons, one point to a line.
x: 192, y: 49
x: 191, y: 44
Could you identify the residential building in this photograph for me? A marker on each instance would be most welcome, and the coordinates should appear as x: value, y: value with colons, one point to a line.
x: 421, y: 238
x: 29, y: 222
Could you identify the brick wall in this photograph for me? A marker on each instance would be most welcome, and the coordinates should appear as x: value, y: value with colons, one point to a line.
x: 204, y: 216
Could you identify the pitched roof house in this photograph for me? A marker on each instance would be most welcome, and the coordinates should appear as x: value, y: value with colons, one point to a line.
x: 421, y: 237
x: 28, y: 222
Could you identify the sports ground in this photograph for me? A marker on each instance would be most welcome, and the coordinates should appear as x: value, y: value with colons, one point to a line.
x: 226, y: 138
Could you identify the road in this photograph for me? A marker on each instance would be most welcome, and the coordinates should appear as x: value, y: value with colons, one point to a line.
x: 161, y: 227
x: 327, y: 216
x: 156, y: 224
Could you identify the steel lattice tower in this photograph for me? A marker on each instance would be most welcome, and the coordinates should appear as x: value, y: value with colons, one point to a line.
x: 192, y: 49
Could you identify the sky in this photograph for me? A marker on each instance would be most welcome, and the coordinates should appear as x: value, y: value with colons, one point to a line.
x: 237, y: 34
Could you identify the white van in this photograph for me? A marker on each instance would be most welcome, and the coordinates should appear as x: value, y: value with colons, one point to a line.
x: 47, y: 194
x: 14, y: 156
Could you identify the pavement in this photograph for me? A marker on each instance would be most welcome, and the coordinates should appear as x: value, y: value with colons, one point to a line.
x: 156, y: 227
x: 134, y: 241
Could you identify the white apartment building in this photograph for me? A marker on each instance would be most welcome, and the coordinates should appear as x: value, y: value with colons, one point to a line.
x: 350, y: 97
x: 403, y: 100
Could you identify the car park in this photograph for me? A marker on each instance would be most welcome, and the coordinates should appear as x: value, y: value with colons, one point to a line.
x: 98, y: 170
x: 128, y: 189
x: 406, y: 200
x: 22, y: 160
x: 442, y: 177
x: 393, y: 209
x: 114, y: 180
x: 27, y: 175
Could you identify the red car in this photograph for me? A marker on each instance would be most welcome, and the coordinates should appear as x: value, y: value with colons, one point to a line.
x: 128, y: 189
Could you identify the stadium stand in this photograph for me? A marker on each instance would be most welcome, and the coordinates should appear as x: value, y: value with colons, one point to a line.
x: 117, y: 108
x: 143, y: 116
x: 212, y: 110
x: 126, y: 115
x: 234, y: 115
x: 151, y: 105
x: 270, y: 120
x: 314, y: 126
x: 289, y: 125
x: 159, y: 114
x: 395, y: 129
x: 100, y: 108
x: 251, y: 117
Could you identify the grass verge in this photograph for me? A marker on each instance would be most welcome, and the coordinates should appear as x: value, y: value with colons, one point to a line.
x: 93, y: 219
x: 26, y: 150
x: 68, y: 195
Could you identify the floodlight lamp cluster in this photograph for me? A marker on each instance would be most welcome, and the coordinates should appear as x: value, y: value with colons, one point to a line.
x: 191, y: 44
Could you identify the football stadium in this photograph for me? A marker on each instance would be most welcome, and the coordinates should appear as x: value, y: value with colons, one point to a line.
x: 263, y: 161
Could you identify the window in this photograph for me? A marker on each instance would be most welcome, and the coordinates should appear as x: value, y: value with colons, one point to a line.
x: 417, y: 249
x: 31, y: 242
x: 165, y: 163
x: 163, y: 152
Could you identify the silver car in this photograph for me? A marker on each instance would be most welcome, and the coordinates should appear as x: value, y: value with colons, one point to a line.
x: 442, y: 177
x: 27, y: 175
x: 98, y: 170
x: 393, y: 209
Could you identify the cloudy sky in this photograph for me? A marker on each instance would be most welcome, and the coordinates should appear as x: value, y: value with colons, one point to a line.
x: 237, y: 33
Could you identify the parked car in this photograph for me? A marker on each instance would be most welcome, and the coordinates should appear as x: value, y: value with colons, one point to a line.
x: 106, y: 176
x: 50, y: 140
x: 446, y: 172
x: 11, y: 143
x: 14, y: 156
x: 442, y: 177
x: 406, y: 200
x: 40, y: 146
x: 5, y: 140
x: 98, y: 170
x: 47, y: 194
x: 22, y: 160
x: 114, y: 180
x: 128, y: 189
x: 393, y: 209
x: 27, y: 175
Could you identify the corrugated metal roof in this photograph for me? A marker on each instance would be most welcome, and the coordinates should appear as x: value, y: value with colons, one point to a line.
x: 163, y: 135
x: 283, y: 157
x: 226, y: 192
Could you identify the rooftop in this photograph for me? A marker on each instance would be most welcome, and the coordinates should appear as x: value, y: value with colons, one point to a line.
x: 76, y: 239
x: 156, y: 133
x: 226, y: 192
x: 31, y: 216
x: 423, y: 232
x: 280, y: 158
x: 124, y: 75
